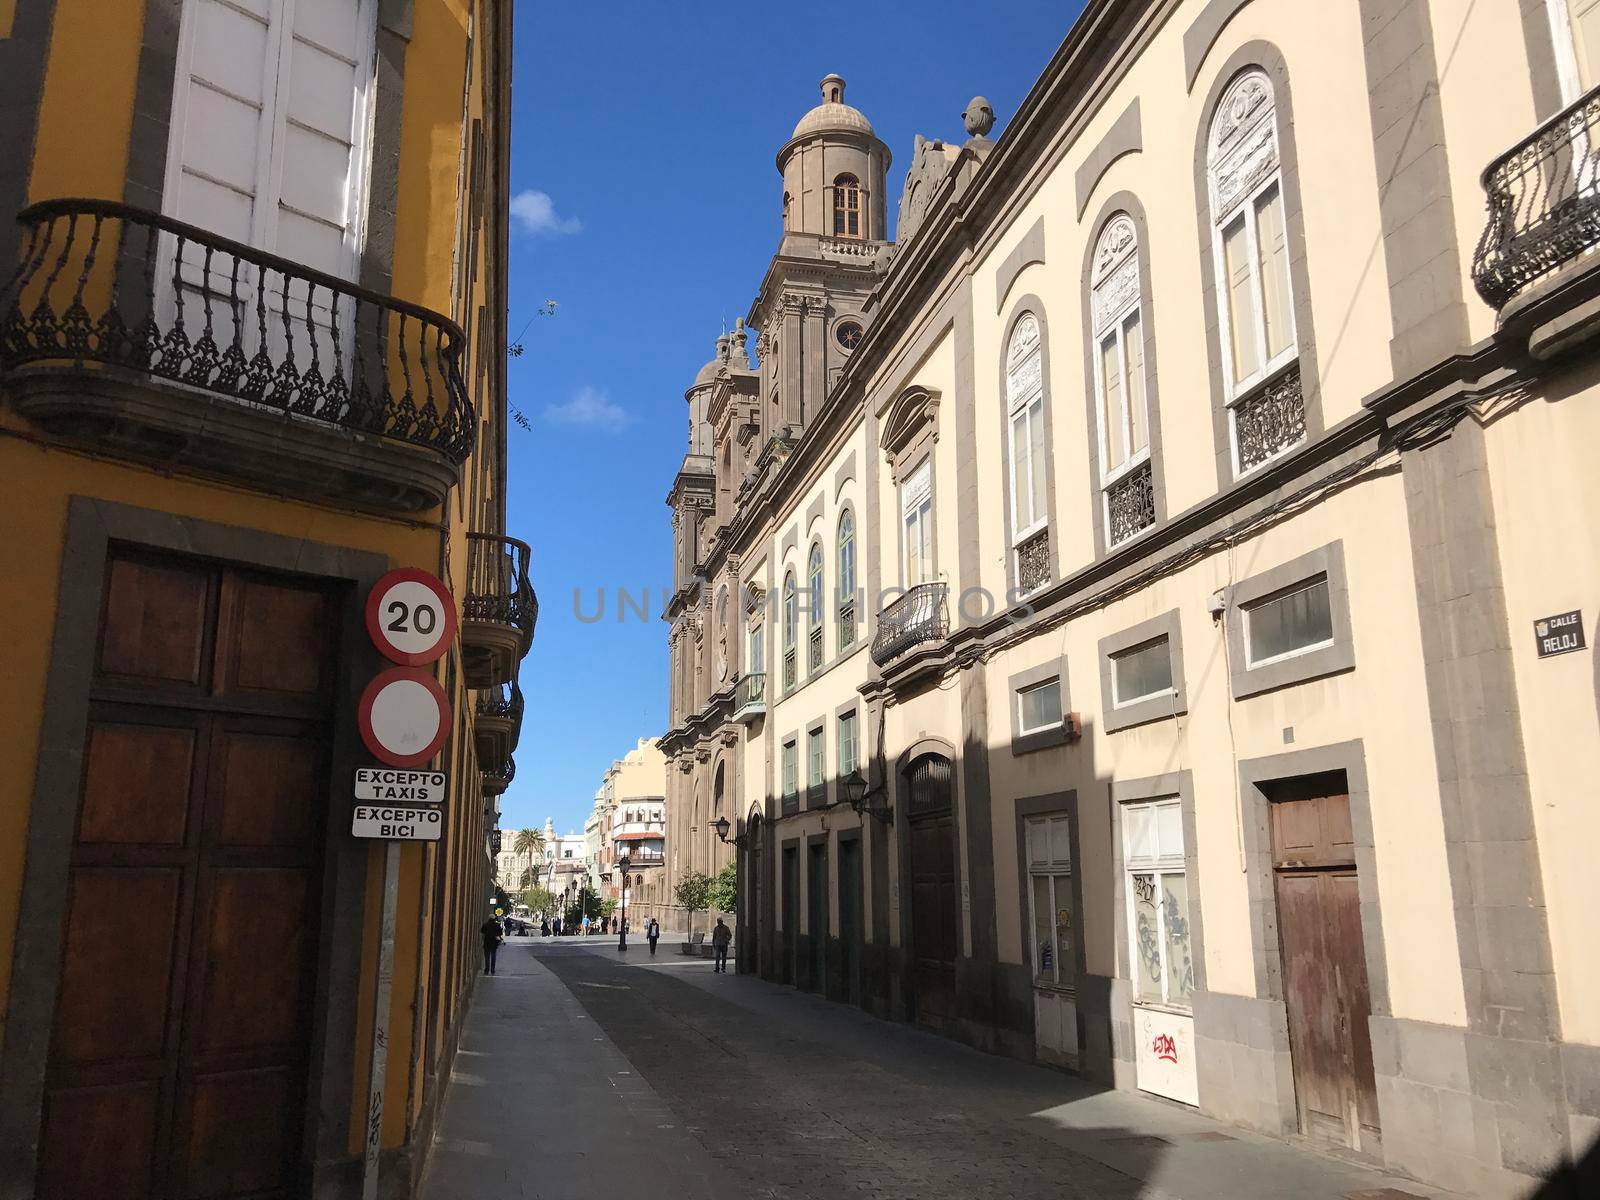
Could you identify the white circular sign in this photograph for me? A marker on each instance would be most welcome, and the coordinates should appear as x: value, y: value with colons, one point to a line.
x: 411, y: 617
x: 404, y: 717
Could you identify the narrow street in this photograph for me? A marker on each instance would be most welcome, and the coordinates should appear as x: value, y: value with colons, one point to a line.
x: 579, y: 1070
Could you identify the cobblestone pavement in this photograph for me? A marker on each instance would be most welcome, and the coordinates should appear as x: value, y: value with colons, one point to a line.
x: 722, y: 1085
x: 796, y: 1096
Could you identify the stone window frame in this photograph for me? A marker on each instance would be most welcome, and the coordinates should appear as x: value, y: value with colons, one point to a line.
x: 816, y: 794
x: 1113, y: 717
x: 1026, y: 808
x: 1038, y: 739
x: 789, y: 802
x: 1025, y: 305
x: 1128, y: 203
x: 851, y: 708
x: 817, y: 608
x: 847, y: 512
x: 1304, y: 666
x: 910, y: 434
x: 1133, y: 791
x: 1266, y: 57
x: 789, y: 633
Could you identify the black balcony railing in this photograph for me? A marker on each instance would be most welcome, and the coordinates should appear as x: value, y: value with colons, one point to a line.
x: 107, y: 283
x: 498, y: 590
x: 1544, y: 203
x: 497, y: 774
x: 916, y: 617
x: 501, y: 705
x: 750, y: 692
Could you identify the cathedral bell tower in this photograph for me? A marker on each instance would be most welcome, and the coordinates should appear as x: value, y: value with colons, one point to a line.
x: 835, y: 248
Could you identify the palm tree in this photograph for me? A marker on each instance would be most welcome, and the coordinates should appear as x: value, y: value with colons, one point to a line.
x: 531, y: 843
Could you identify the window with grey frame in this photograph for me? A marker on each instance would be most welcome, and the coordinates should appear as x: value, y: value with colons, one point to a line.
x: 849, y: 747
x: 1039, y: 707
x: 1050, y: 902
x: 816, y: 768
x: 1027, y: 446
x: 1250, y: 249
x: 1288, y: 623
x: 1142, y: 672
x: 1122, y: 418
x: 815, y: 651
x: 847, y: 580
x: 791, y: 776
x: 1158, y: 902
x: 791, y: 630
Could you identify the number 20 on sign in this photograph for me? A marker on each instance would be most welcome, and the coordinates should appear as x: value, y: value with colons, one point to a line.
x: 411, y: 617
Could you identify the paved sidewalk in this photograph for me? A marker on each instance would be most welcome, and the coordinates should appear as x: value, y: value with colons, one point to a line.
x: 542, y: 1104
x: 659, y: 1073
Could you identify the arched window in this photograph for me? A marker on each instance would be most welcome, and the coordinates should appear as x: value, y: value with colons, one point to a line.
x: 847, y: 206
x: 791, y: 626
x: 814, y: 608
x: 786, y: 203
x: 1251, y: 251
x: 1030, y: 519
x: 847, y: 580
x: 717, y: 789
x: 1116, y: 307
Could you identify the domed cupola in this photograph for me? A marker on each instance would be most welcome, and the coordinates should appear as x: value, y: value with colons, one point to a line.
x: 833, y: 169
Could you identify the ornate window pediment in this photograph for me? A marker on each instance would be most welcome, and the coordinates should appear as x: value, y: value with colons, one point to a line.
x: 913, y: 415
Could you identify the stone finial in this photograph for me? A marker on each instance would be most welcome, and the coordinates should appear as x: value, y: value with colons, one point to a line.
x: 833, y: 89
x: 979, y: 117
x: 741, y: 356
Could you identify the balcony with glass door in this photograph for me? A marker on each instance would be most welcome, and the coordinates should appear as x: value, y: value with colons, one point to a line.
x: 750, y: 698
x: 141, y: 337
x: 914, y: 619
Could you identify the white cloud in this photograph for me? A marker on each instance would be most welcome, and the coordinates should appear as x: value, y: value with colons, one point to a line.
x: 589, y: 409
x: 535, y: 213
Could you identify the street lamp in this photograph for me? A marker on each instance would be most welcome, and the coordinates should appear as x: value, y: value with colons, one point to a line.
x: 721, y: 826
x: 623, y: 864
x: 853, y: 787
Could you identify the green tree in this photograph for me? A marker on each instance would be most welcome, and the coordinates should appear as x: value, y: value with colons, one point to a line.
x: 724, y: 892
x: 693, y: 892
x: 531, y: 843
x: 538, y: 899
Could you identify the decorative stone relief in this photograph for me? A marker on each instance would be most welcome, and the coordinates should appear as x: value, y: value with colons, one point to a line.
x: 1244, y: 141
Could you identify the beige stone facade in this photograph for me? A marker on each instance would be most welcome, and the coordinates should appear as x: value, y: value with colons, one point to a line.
x: 1190, y: 493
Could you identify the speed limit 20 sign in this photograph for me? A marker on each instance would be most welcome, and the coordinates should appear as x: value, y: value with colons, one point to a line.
x: 411, y: 617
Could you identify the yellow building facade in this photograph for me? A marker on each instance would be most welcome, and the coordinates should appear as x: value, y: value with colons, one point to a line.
x: 254, y: 360
x: 1140, y: 618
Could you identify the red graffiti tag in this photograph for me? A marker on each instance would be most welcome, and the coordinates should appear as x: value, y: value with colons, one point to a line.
x: 1164, y: 1048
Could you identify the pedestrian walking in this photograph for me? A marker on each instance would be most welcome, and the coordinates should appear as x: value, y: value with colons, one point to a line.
x: 544, y: 927
x: 556, y: 925
x: 493, y: 934
x: 720, y: 937
x: 585, y: 924
x: 653, y: 932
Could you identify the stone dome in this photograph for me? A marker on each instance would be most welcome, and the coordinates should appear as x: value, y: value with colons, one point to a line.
x: 833, y: 115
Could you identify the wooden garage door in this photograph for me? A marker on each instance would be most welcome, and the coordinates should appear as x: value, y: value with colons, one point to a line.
x: 178, y: 1054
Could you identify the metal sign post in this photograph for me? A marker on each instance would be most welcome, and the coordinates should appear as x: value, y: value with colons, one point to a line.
x: 380, y: 1021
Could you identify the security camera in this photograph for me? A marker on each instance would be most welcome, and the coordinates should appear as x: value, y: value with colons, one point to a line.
x: 1217, y: 605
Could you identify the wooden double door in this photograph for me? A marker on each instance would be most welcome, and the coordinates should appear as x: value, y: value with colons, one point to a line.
x: 935, y: 911
x: 1324, y: 961
x: 178, y: 1058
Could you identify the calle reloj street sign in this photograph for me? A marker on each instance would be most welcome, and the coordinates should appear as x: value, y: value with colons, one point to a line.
x: 393, y: 786
x: 1560, y: 634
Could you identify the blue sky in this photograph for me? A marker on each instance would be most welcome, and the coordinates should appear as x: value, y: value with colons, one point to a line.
x: 647, y: 205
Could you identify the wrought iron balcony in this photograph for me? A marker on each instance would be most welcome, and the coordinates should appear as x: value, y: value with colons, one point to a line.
x: 158, y: 340
x: 500, y: 611
x: 918, y: 616
x: 1544, y: 203
x: 497, y: 774
x: 499, y: 720
x: 750, y: 698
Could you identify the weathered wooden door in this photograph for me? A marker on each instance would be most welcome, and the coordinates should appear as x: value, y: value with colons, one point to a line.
x: 1324, y: 962
x: 935, y: 929
x: 817, y: 916
x: 178, y: 1057
x: 850, y: 918
x: 791, y: 912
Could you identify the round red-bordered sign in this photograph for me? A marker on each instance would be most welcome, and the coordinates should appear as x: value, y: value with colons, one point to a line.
x: 411, y: 617
x: 404, y: 717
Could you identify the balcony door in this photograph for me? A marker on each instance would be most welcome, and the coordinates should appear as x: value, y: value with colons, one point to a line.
x: 270, y: 145
x: 935, y: 915
x: 1575, y: 30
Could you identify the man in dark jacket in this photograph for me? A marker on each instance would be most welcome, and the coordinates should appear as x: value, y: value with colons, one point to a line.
x: 720, y: 937
x: 493, y: 934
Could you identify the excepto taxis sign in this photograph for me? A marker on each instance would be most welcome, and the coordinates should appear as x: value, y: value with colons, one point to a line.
x: 397, y: 823
x: 392, y: 785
